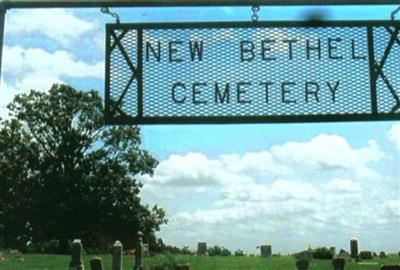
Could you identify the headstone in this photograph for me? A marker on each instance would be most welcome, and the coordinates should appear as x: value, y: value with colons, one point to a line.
x: 117, y: 256
x: 139, y: 253
x: 353, y: 248
x: 202, y: 248
x: 338, y: 263
x: 302, y: 264
x: 390, y: 267
x: 76, y: 256
x: 266, y: 250
x: 333, y: 251
x: 96, y: 264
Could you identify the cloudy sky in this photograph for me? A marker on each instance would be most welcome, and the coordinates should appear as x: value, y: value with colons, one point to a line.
x: 292, y: 185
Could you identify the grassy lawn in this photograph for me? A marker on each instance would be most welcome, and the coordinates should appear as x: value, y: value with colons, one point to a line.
x: 59, y: 262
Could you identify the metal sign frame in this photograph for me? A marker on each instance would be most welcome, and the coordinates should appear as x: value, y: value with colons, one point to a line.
x: 115, y: 115
x: 181, y: 3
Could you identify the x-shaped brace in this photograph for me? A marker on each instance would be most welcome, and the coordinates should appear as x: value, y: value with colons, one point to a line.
x: 134, y: 70
x: 378, y: 68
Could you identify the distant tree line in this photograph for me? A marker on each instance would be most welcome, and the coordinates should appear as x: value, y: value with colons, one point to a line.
x: 218, y: 251
x: 321, y: 253
x: 158, y: 246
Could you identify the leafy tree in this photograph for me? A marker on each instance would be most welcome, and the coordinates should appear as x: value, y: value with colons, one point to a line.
x: 64, y: 175
x: 382, y: 254
x: 225, y: 252
x: 322, y: 253
x: 218, y: 251
x: 239, y: 252
x: 16, y: 182
x: 214, y: 251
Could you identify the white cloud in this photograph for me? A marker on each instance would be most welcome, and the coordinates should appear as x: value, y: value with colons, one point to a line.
x: 292, y: 189
x: 58, y: 30
x: 284, y: 209
x: 324, y: 203
x: 394, y: 207
x: 330, y: 152
x: 33, y: 68
x: 240, y: 213
x: 343, y: 186
x: 257, y: 162
x: 37, y: 64
x: 193, y: 171
x: 394, y: 135
x: 244, y: 175
x: 59, y: 25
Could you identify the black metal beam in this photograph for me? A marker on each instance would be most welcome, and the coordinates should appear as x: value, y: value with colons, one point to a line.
x: 182, y: 3
x: 250, y: 119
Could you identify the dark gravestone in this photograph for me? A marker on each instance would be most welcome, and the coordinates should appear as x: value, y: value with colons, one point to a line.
x: 338, y: 263
x: 302, y: 264
x: 201, y: 248
x: 353, y: 248
x: 96, y: 264
x: 139, y: 253
x: 76, y: 256
x: 117, y: 256
x: 390, y: 267
x: 266, y: 251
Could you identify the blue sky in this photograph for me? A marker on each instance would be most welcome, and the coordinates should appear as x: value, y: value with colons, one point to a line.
x: 290, y: 185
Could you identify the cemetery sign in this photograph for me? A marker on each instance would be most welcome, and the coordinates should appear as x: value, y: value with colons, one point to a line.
x: 239, y: 72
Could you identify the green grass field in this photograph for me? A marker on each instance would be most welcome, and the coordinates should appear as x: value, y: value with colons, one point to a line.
x: 56, y: 262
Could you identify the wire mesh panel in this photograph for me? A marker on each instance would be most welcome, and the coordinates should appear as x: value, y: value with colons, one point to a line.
x: 246, y: 72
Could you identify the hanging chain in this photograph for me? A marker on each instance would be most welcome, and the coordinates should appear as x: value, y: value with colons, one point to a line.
x: 255, y: 10
x: 107, y: 11
x: 393, y: 14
